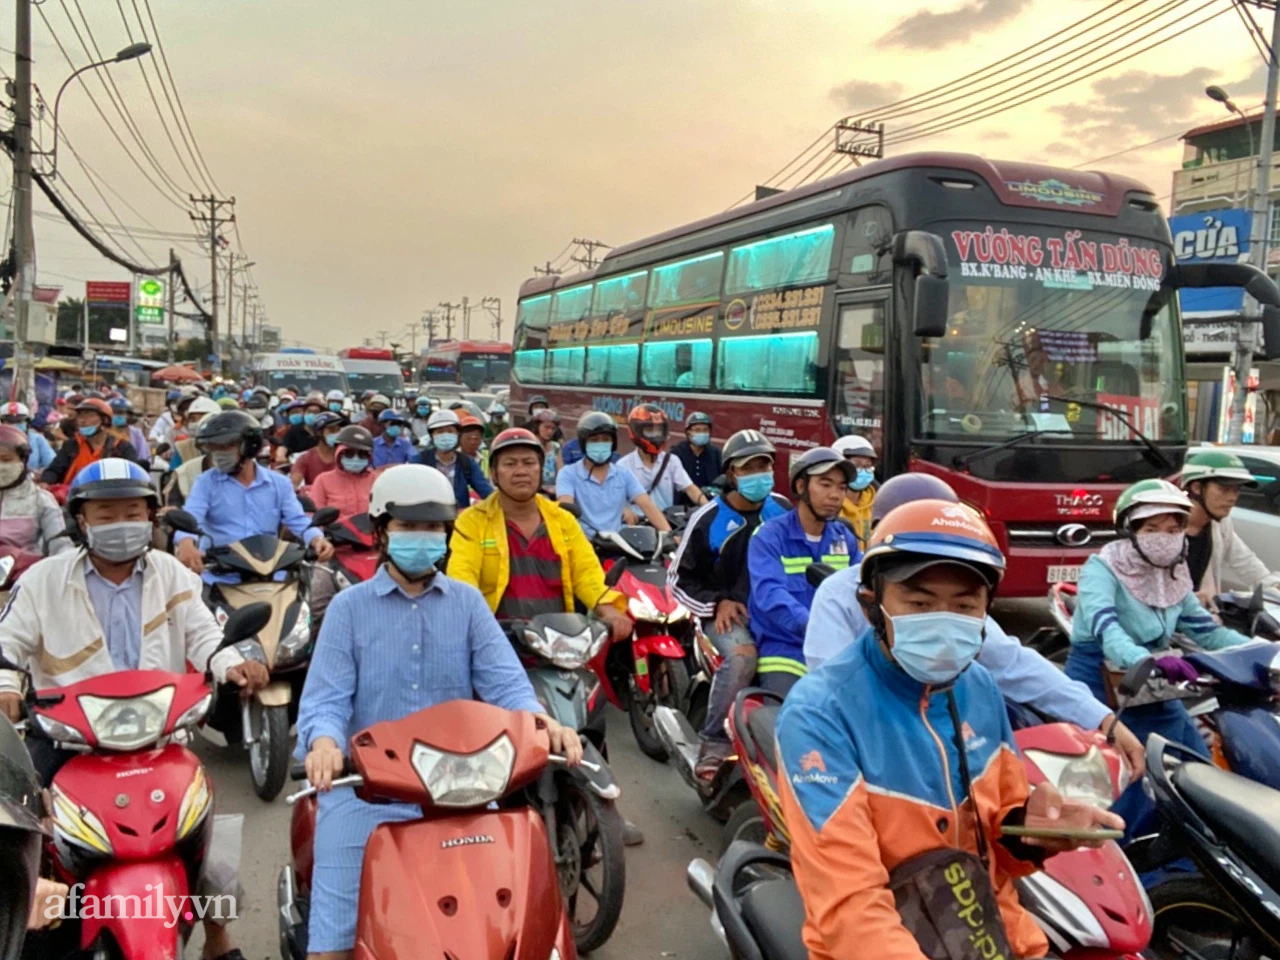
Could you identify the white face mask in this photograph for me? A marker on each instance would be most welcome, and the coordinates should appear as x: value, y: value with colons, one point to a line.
x: 11, y: 473
x: 118, y: 542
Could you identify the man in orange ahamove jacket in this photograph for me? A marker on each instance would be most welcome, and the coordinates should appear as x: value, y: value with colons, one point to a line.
x: 900, y: 747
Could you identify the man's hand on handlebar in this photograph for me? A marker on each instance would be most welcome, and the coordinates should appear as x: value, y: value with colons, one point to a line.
x: 323, y: 549
x: 188, y: 554
x: 11, y: 706
x: 619, y: 623
x: 249, y: 676
x: 564, y: 741
x: 324, y: 763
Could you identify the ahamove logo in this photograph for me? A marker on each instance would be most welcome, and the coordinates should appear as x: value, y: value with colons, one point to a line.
x: 154, y: 904
x: 814, y: 770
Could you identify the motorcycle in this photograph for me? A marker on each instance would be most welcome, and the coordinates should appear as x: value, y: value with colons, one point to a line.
x: 131, y: 814
x: 1054, y: 643
x: 488, y: 787
x: 355, y: 549
x: 654, y: 670
x: 555, y: 649
x: 284, y: 645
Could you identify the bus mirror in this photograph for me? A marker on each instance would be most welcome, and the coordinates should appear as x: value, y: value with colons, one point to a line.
x: 1271, y: 333
x: 929, y: 317
x: 1256, y: 283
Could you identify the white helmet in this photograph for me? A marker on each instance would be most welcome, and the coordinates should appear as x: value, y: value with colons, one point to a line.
x: 15, y: 410
x: 415, y: 493
x: 442, y: 418
x: 336, y: 395
x: 854, y: 446
x: 203, y: 406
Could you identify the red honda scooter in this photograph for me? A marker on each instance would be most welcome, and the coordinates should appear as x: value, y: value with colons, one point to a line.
x: 131, y: 815
x: 355, y: 549
x: 475, y: 877
x: 653, y: 670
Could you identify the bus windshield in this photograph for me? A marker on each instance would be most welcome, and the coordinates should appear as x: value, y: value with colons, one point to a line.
x: 477, y: 371
x: 305, y: 381
x: 388, y: 384
x: 1025, y: 339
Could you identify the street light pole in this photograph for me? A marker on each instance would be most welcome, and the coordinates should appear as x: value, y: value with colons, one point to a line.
x: 131, y: 52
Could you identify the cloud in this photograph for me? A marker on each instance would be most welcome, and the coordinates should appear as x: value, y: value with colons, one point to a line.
x: 1134, y: 107
x: 927, y: 30
x: 862, y: 94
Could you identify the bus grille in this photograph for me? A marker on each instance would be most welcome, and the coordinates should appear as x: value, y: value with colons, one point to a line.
x: 1044, y: 535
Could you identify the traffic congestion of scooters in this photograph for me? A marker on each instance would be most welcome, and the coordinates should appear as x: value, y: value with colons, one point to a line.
x: 427, y: 638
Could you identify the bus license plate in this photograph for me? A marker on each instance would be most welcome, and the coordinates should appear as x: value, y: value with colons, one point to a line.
x: 1063, y: 574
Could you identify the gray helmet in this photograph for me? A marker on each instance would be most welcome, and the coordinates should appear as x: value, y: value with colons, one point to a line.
x: 746, y: 444
x: 818, y: 461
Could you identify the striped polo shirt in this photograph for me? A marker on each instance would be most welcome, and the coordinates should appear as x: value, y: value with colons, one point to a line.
x: 535, y: 584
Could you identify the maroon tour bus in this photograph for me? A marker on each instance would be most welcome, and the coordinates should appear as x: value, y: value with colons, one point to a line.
x: 1013, y: 329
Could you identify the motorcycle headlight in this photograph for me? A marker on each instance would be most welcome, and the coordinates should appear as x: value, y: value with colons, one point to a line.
x: 465, y: 780
x: 681, y: 612
x: 195, y: 804
x: 76, y: 824
x: 128, y: 723
x: 564, y: 650
x: 293, y: 645
x: 56, y: 730
x: 1084, y: 778
x: 642, y: 608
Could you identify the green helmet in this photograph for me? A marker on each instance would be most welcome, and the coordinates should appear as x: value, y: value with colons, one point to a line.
x: 1147, y: 498
x: 1215, y: 465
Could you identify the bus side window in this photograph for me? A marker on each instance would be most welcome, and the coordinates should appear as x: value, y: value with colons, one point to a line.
x: 859, y: 371
x: 529, y: 365
x: 613, y: 365
x: 565, y: 365
x: 870, y: 231
x: 685, y: 364
x: 777, y: 363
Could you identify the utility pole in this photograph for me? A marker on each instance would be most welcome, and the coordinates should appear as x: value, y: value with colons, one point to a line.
x: 466, y: 319
x: 231, y: 301
x: 494, y: 306
x: 382, y: 337
x: 1246, y: 332
x: 172, y: 292
x: 589, y: 261
x: 547, y: 271
x: 24, y: 240
x: 213, y: 221
x: 448, y: 318
x: 429, y: 323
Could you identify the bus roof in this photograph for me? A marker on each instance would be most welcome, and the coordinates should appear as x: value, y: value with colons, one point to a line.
x: 1003, y: 176
x: 468, y: 346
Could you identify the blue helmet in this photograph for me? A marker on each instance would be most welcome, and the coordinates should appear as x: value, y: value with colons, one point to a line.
x: 120, y: 404
x: 173, y: 396
x: 391, y: 416
x: 907, y: 488
x: 111, y: 478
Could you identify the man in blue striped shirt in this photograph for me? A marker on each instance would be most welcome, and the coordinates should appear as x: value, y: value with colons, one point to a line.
x: 403, y: 641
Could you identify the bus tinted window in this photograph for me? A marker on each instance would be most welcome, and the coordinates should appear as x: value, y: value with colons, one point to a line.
x: 565, y: 365
x: 679, y: 363
x: 859, y: 372
x: 535, y: 312
x: 802, y: 257
x: 779, y: 363
x: 613, y: 366
x: 687, y: 281
x: 529, y: 365
x: 621, y: 294
x: 571, y: 305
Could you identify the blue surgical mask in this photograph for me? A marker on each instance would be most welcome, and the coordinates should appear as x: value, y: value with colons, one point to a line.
x: 88, y: 431
x: 598, y: 451
x: 756, y: 486
x: 424, y: 409
x: 445, y: 441
x: 335, y: 407
x: 936, y: 647
x: 21, y: 426
x: 119, y: 420
x: 700, y: 439
x: 393, y: 431
x: 416, y: 552
x: 863, y: 479
x: 295, y: 418
x: 309, y: 418
x: 331, y: 439
x: 354, y: 464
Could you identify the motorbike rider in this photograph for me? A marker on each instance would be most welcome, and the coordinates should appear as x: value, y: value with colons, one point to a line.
x: 836, y: 620
x: 375, y: 407
x: 544, y: 423
x: 421, y: 412
x: 703, y: 576
x: 471, y: 440
x: 1212, y: 480
x: 162, y: 431
x: 393, y: 446
x: 337, y: 401
x: 407, y: 639
x: 858, y: 502
x: 463, y: 473
x: 18, y: 416
x: 536, y: 402
x: 187, y: 447
x: 700, y: 457
x: 321, y: 458
x: 238, y: 498
x: 297, y: 437
x: 781, y: 549
x: 602, y: 489
x: 91, y: 443
x: 113, y: 604
x: 30, y: 519
x: 859, y: 812
x: 661, y: 474
x: 498, y: 418
x: 124, y: 427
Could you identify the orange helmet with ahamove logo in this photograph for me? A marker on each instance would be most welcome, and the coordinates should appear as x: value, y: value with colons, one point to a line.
x: 649, y: 428
x: 925, y: 533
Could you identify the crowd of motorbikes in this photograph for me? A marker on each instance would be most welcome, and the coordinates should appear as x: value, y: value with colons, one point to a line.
x: 516, y: 847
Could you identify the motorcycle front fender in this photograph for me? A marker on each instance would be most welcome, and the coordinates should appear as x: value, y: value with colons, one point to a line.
x: 136, y: 902
x: 652, y: 645
x: 278, y: 693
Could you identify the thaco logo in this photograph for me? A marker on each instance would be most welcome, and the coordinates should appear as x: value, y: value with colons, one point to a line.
x: 1079, y: 503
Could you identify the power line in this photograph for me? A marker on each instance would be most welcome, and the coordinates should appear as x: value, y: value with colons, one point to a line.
x: 1260, y: 41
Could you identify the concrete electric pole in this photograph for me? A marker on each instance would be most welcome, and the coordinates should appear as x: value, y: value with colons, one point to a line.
x: 494, y: 306
x: 213, y: 221
x: 448, y: 309
x: 590, y: 261
x: 466, y: 318
x: 172, y: 295
x: 24, y: 240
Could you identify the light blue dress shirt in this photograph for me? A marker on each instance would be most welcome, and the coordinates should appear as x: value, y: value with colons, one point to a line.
x: 601, y: 502
x: 119, y: 610
x: 1023, y: 676
x: 41, y: 452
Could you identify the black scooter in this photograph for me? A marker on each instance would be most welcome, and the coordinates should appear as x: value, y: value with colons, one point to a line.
x: 755, y: 904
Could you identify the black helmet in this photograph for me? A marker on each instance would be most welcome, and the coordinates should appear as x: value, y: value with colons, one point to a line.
x: 697, y: 418
x: 231, y: 426
x: 817, y: 461
x: 324, y: 420
x: 356, y: 437
x: 746, y: 444
x: 537, y: 398
x: 597, y: 421
x: 21, y: 839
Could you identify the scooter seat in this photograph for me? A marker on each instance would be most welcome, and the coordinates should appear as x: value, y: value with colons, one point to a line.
x: 1243, y: 813
x: 774, y: 912
x: 761, y: 725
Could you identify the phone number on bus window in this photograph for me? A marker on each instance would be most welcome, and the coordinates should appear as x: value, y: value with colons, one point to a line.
x: 788, y: 309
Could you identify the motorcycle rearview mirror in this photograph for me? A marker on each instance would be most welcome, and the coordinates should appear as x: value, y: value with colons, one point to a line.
x: 325, y: 516
x: 815, y: 573
x: 1256, y: 605
x: 308, y: 504
x: 1131, y: 683
x: 182, y: 522
x: 572, y: 509
x: 246, y: 622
